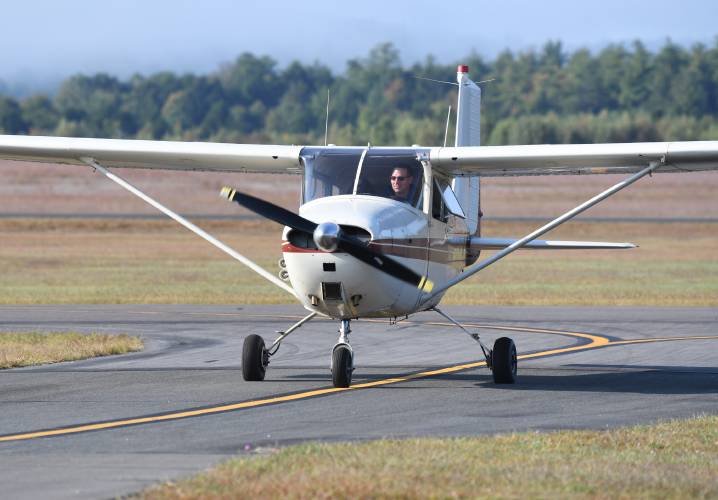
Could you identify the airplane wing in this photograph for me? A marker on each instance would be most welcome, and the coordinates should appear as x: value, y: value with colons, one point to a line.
x: 167, y: 155
x: 485, y: 161
x: 547, y: 159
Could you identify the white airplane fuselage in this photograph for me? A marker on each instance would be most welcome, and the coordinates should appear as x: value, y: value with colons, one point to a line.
x: 340, y: 286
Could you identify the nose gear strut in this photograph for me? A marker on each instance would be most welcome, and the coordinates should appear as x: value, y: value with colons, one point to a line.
x: 342, y: 357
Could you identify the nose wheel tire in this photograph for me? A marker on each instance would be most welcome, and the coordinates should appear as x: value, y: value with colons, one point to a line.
x: 255, y: 358
x: 504, y: 363
x: 342, y: 366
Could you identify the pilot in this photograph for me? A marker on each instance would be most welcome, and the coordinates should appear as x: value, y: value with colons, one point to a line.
x: 401, y: 184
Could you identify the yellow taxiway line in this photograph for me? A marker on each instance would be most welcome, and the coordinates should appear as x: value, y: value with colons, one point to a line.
x: 595, y: 341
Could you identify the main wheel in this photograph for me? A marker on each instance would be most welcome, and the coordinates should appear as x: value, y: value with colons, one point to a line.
x: 254, y: 358
x: 503, y: 361
x: 342, y: 366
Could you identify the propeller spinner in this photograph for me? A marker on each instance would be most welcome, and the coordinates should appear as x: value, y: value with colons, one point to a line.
x: 326, y: 236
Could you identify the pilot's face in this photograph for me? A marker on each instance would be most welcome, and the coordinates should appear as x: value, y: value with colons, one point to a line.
x: 401, y: 181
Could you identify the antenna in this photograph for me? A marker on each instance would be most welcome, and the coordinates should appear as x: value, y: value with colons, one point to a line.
x: 435, y: 81
x: 452, y: 83
x: 326, y: 123
x: 446, y: 131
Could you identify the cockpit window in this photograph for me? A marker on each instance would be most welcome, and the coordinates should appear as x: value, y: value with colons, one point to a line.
x: 363, y: 171
x: 330, y: 173
x: 399, y: 177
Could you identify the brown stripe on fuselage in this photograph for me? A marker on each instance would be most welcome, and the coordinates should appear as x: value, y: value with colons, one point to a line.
x: 440, y: 250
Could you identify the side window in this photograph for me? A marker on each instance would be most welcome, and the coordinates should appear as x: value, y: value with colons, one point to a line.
x: 438, y: 210
x: 444, y: 201
x: 450, y: 202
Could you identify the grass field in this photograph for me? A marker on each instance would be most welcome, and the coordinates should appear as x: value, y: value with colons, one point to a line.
x: 35, y: 348
x: 46, y: 261
x: 676, y: 459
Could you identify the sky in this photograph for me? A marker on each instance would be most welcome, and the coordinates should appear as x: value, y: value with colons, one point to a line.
x: 45, y: 41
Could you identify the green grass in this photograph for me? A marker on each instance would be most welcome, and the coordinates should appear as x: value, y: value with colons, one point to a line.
x: 36, y: 348
x: 677, y: 459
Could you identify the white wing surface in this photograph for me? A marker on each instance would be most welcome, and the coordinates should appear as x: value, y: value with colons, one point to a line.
x: 485, y: 161
x: 153, y: 154
x: 547, y: 159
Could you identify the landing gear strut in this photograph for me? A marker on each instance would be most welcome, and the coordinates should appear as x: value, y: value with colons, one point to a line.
x: 501, y: 360
x: 342, y: 358
x: 255, y: 356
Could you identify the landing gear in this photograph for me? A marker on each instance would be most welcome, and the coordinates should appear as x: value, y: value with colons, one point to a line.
x: 342, y: 358
x: 502, y: 360
x: 255, y: 355
x: 504, y: 363
x: 255, y: 358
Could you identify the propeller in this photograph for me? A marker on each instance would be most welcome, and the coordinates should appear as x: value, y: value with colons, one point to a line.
x: 329, y: 237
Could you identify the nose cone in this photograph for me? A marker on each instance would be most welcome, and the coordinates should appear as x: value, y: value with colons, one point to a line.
x: 326, y: 235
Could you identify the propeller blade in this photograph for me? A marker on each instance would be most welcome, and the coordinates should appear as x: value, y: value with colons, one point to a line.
x: 269, y: 210
x: 353, y: 246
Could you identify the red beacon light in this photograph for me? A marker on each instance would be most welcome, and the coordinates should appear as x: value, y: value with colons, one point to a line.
x: 463, y: 68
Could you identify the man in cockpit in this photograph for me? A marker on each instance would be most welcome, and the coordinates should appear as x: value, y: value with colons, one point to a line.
x: 401, y: 184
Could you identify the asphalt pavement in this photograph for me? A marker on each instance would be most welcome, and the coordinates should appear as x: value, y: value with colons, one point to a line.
x: 112, y: 426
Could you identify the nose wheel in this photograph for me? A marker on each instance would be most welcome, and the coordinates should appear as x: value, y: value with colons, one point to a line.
x: 342, y: 366
x: 343, y: 358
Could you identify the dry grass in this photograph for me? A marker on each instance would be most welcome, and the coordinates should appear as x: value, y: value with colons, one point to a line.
x: 34, y: 348
x: 675, y: 265
x: 676, y: 459
x: 45, y: 261
x: 65, y: 188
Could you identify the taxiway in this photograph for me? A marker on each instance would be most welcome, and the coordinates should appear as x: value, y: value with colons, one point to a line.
x: 111, y: 426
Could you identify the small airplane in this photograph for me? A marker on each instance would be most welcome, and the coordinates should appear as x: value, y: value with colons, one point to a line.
x: 382, y: 232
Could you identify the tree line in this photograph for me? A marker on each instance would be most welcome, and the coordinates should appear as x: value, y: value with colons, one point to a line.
x: 619, y: 94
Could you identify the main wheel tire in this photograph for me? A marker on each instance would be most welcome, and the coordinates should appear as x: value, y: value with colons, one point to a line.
x: 254, y: 358
x: 504, y: 362
x: 342, y: 366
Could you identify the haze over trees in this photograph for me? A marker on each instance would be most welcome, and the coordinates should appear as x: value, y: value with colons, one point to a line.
x: 620, y: 94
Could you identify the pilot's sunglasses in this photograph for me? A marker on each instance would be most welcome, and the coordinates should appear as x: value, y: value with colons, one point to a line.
x: 398, y: 177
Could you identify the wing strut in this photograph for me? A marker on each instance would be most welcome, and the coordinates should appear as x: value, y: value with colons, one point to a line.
x: 471, y: 270
x: 196, y: 230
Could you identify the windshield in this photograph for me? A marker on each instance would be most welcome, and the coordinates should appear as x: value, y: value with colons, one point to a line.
x: 330, y: 173
x: 399, y: 177
x: 389, y: 174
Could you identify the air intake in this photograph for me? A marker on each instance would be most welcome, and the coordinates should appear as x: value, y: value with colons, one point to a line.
x: 332, y: 291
